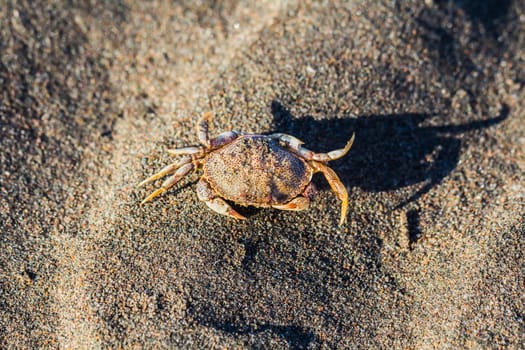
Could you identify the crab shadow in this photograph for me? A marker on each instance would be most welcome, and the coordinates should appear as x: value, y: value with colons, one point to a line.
x: 390, y: 151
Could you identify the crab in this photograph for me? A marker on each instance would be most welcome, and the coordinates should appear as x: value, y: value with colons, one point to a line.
x: 252, y: 170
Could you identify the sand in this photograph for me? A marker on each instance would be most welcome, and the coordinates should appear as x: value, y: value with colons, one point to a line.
x: 431, y: 256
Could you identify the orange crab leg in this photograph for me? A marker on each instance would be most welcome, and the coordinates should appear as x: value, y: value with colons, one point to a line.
x: 202, y: 129
x: 295, y: 145
x: 166, y: 170
x: 296, y: 204
x: 186, y: 150
x: 336, y: 185
x: 170, y: 181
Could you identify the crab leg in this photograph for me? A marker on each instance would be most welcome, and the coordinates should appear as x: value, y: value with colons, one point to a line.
x: 296, y: 145
x: 202, y: 129
x: 290, y: 141
x: 223, y: 139
x: 217, y: 204
x: 165, y: 171
x: 336, y: 185
x: 296, y: 204
x: 204, y: 138
x: 170, y: 181
x: 186, y: 150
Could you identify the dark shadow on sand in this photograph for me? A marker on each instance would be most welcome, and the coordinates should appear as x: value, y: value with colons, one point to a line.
x: 296, y: 337
x: 489, y: 13
x: 390, y: 151
x: 269, y: 271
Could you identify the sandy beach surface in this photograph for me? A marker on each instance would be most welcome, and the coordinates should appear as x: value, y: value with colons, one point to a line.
x: 92, y: 94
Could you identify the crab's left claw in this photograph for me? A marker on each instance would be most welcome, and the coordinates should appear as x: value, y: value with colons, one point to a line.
x: 215, y: 203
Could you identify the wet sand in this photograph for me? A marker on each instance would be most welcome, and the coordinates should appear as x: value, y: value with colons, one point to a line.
x: 431, y: 256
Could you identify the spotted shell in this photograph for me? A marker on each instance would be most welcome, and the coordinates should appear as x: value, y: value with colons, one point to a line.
x: 255, y: 170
